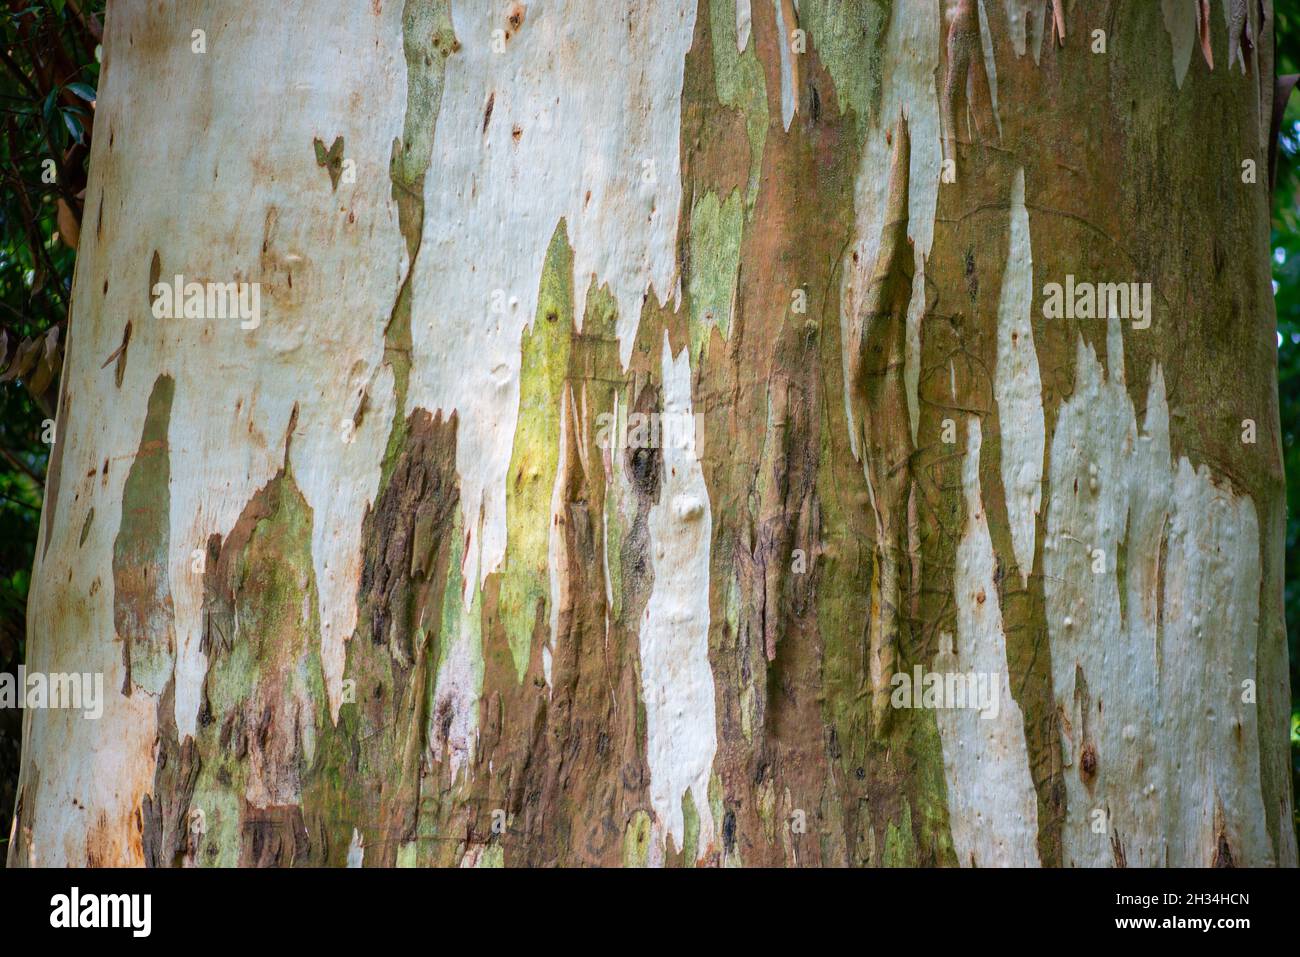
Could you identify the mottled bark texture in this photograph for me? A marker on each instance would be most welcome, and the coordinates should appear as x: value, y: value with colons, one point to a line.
x: 640, y: 393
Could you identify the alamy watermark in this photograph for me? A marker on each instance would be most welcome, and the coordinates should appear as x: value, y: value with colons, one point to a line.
x: 75, y: 909
x: 1098, y: 300
x: 209, y: 300
x: 652, y: 430
x: 77, y: 691
x: 977, y: 690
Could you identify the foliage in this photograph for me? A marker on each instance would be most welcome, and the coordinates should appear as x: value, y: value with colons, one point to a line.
x: 1286, y: 287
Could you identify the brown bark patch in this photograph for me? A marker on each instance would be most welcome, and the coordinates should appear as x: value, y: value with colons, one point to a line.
x: 142, y: 602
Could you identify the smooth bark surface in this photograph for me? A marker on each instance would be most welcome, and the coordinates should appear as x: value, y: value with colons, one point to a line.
x: 643, y: 397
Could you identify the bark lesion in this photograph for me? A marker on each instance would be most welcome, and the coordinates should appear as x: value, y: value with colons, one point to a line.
x: 772, y: 547
x: 166, y: 833
x: 391, y: 661
x: 410, y: 521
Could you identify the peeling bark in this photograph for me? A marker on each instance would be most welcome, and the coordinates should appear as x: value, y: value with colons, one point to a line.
x: 421, y: 572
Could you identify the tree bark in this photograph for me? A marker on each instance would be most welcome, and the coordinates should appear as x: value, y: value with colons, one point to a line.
x: 644, y: 401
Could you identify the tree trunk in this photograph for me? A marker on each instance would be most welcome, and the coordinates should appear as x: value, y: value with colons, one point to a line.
x: 685, y: 435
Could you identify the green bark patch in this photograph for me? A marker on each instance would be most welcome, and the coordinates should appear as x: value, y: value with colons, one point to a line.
x: 142, y: 602
x: 739, y: 83
x: 525, y: 582
x: 636, y: 840
x: 562, y: 755
x: 595, y: 358
x: 368, y: 770
x: 264, y: 699
x: 715, y: 260
x: 760, y: 465
x: 427, y: 40
x: 847, y: 36
x: 793, y: 577
x: 331, y: 159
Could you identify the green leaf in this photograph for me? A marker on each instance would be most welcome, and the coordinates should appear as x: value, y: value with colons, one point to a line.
x: 74, y: 127
x: 83, y: 90
x: 17, y: 15
x: 47, y: 107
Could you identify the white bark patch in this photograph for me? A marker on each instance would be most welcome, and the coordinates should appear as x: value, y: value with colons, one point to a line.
x: 992, y: 805
x: 1181, y: 24
x: 585, y: 122
x: 1026, y: 19
x: 910, y: 60
x: 912, y: 347
x: 1237, y: 16
x: 676, y: 680
x: 788, y: 104
x: 1212, y: 616
x: 340, y: 505
x: 330, y: 257
x: 453, y: 730
x: 557, y: 566
x: 1018, y: 388
x: 232, y: 193
x: 459, y: 684
x: 1160, y: 745
x: 114, y: 757
x: 356, y: 850
x: 990, y: 64
x: 744, y: 23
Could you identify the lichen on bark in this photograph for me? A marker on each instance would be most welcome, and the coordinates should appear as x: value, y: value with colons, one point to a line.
x: 821, y: 230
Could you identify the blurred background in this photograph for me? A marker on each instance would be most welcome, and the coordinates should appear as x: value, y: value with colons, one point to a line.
x: 1286, y: 290
x: 49, y: 70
